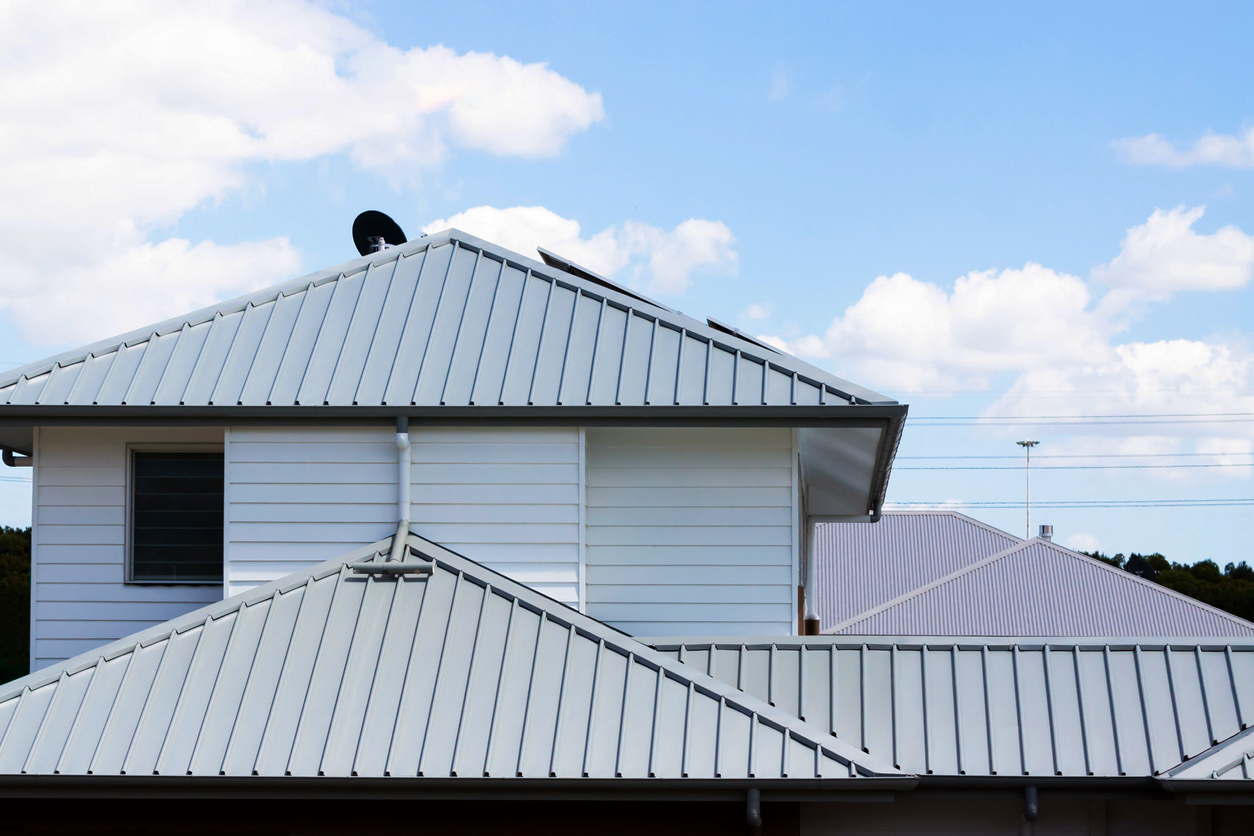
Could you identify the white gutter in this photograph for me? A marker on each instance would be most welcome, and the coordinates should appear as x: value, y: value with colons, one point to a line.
x: 812, y: 558
x: 404, y: 458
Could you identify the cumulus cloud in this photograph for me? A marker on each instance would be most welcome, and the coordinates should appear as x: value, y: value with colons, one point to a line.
x: 1209, y: 149
x: 1053, y: 338
x: 1165, y: 255
x: 661, y: 261
x: 120, y: 118
x: 912, y: 334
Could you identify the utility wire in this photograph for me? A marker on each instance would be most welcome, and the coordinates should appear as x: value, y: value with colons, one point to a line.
x: 1084, y: 456
x: 1080, y: 466
x: 1124, y: 503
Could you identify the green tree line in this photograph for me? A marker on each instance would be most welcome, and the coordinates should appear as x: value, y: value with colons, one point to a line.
x: 14, y: 602
x: 1231, y: 589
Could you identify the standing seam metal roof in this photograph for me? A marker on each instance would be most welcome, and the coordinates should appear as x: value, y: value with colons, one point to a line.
x: 1039, y: 588
x: 341, y: 671
x: 861, y: 567
x: 446, y: 320
x: 979, y: 706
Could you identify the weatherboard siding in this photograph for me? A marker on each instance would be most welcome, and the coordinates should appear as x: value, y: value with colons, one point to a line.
x: 80, y: 598
x: 506, y: 497
x: 691, y: 531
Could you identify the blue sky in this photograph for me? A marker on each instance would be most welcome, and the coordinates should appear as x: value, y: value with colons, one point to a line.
x: 1053, y: 238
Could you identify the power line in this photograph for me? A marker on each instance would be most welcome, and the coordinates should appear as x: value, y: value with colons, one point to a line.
x: 1119, y: 503
x: 1084, y: 456
x: 1082, y: 466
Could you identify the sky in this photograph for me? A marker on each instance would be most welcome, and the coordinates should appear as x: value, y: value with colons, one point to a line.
x: 1026, y: 223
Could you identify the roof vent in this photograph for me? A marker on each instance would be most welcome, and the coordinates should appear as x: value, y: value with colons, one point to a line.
x: 1047, y: 532
x: 374, y: 231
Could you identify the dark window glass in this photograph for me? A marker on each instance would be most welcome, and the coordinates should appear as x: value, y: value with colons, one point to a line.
x: 176, y: 517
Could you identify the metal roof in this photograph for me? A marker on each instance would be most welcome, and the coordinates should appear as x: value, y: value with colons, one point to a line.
x: 447, y: 320
x: 1229, y: 760
x: 1038, y: 588
x: 340, y: 671
x: 861, y: 567
x: 975, y: 706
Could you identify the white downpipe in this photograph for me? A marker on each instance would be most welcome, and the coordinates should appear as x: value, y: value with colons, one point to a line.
x: 404, y: 458
x: 812, y: 551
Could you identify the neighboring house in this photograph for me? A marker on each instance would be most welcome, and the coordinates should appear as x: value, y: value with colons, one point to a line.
x: 602, y: 448
x: 940, y: 573
x: 546, y: 468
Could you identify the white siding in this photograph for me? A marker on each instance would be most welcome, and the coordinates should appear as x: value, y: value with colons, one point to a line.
x: 506, y: 497
x: 690, y: 531
x: 80, y: 598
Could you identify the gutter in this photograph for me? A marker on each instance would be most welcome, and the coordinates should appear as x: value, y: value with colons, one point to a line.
x: 508, y: 789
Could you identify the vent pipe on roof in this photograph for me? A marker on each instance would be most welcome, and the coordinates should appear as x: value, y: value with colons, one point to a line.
x: 404, y: 456
x: 1047, y: 532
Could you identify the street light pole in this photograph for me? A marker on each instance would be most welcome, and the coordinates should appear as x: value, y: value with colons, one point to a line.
x: 1027, y: 470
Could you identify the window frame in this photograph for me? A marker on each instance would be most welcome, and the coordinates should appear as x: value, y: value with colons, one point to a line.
x: 169, y: 447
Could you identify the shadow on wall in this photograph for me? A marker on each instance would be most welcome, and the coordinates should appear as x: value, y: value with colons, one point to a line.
x: 14, y: 602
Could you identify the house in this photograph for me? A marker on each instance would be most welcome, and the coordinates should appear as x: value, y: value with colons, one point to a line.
x: 940, y: 573
x: 453, y: 539
x: 604, y: 449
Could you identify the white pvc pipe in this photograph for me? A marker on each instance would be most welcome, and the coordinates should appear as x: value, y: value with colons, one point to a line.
x: 812, y: 551
x: 404, y: 458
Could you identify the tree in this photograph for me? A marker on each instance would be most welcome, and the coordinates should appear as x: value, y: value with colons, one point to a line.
x: 1231, y: 590
x: 14, y: 602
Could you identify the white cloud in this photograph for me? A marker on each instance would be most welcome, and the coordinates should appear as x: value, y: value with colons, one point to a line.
x: 911, y: 334
x: 642, y: 255
x: 120, y: 118
x: 1081, y: 541
x: 1165, y: 255
x: 1210, y: 149
x: 755, y: 313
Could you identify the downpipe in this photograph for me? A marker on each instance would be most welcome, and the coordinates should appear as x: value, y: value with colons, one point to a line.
x: 404, y: 458
x: 812, y: 626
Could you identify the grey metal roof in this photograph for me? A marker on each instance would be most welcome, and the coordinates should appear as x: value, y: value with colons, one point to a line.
x: 861, y: 567
x: 1228, y: 760
x: 447, y: 320
x: 1039, y: 588
x: 340, y: 671
x: 1070, y: 707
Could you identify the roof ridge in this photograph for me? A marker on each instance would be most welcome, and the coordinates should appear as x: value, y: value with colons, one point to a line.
x: 626, y: 299
x: 1022, y: 546
x: 927, y: 587
x: 949, y: 512
x: 439, y: 557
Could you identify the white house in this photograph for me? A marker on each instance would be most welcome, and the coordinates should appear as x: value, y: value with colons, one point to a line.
x: 655, y: 472
x: 379, y: 548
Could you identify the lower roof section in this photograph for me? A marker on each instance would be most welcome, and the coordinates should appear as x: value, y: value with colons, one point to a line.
x: 995, y: 707
x: 432, y: 667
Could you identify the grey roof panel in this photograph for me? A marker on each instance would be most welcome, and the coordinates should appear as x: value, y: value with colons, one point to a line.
x: 456, y: 673
x: 1038, y: 588
x: 861, y: 567
x: 978, y: 706
x: 444, y: 320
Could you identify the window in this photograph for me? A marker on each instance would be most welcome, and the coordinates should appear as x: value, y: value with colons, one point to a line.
x: 176, y: 517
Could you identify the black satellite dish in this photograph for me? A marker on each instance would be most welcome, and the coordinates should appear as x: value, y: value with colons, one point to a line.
x: 374, y: 231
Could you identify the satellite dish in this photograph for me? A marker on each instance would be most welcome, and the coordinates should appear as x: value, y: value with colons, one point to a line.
x: 374, y: 231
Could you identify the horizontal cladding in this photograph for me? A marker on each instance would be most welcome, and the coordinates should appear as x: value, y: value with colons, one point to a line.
x: 1055, y: 593
x: 971, y: 709
x: 459, y: 673
x: 667, y: 552
x: 863, y: 566
x: 433, y: 325
x: 506, y: 497
x: 81, y: 597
